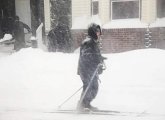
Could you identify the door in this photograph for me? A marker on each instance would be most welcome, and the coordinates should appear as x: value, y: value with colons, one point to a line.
x: 22, y: 8
x: 23, y: 11
x: 7, y: 13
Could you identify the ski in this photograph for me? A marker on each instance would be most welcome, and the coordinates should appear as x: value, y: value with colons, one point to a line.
x: 98, y: 112
x: 95, y: 112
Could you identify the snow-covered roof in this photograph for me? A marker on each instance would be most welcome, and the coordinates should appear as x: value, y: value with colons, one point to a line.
x: 160, y: 22
x: 83, y: 22
x: 125, y: 23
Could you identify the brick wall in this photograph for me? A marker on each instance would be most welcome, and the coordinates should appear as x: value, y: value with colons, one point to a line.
x: 78, y: 36
x: 158, y: 36
x: 120, y: 40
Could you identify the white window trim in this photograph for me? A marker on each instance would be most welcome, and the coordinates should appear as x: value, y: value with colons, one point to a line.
x: 125, y: 1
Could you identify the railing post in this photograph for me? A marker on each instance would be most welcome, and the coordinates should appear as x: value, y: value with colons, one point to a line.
x: 34, y: 43
x: 39, y: 36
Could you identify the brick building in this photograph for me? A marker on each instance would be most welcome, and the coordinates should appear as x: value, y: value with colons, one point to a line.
x: 127, y: 24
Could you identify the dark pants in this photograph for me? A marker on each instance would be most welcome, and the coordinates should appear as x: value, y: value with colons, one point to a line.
x: 19, y: 43
x: 93, y: 88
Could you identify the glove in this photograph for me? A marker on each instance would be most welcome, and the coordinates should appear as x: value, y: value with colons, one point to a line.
x: 104, y: 58
x: 29, y: 30
x: 100, y: 69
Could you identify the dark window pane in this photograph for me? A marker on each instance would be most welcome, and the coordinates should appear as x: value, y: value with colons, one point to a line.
x: 124, y: 10
x: 161, y: 8
x: 95, y: 8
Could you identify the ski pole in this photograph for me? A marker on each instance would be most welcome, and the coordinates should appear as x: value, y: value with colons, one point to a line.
x: 69, y: 97
x: 92, y: 78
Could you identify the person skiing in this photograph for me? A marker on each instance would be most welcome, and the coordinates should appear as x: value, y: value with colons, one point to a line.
x: 18, y: 33
x: 90, y: 65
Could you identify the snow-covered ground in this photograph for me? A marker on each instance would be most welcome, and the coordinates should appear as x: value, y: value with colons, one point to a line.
x: 33, y: 82
x: 6, y: 37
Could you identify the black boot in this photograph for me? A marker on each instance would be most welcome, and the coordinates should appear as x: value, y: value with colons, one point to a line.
x: 88, y: 106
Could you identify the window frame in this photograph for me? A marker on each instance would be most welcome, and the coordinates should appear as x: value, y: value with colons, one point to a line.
x: 111, y: 9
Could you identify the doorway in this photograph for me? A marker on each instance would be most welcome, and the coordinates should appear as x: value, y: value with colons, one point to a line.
x: 7, y: 13
x: 22, y: 8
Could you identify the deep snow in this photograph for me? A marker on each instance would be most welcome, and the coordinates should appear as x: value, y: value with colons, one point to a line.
x: 32, y: 81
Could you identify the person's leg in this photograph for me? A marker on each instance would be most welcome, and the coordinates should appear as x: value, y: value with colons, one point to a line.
x: 93, y: 92
x: 94, y: 88
x: 85, y: 100
x: 90, y: 94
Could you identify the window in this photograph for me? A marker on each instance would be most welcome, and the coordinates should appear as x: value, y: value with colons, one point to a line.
x: 160, y: 8
x: 95, y: 7
x: 125, y: 9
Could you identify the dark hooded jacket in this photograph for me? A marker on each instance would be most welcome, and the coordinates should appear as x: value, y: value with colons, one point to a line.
x: 90, y: 55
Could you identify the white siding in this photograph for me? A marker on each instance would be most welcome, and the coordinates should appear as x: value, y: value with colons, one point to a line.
x: 104, y: 11
x: 144, y: 11
x: 47, y: 15
x: 148, y: 11
x: 153, y: 10
x: 81, y: 8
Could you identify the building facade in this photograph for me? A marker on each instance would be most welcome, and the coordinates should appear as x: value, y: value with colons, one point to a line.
x: 108, y: 10
x: 126, y: 24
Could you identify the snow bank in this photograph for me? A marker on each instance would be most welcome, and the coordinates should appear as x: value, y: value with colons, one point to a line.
x: 6, y: 37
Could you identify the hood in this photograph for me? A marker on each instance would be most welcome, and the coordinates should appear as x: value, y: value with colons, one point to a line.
x: 92, y: 29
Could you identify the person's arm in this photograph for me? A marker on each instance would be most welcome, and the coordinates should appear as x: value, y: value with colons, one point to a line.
x: 26, y: 26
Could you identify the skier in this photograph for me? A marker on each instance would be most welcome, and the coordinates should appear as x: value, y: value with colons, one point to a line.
x: 18, y: 33
x: 90, y: 60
